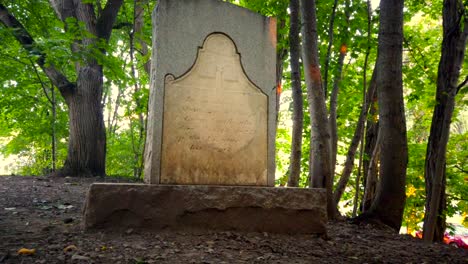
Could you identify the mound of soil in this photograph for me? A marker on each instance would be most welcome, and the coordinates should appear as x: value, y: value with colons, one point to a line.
x: 44, y: 215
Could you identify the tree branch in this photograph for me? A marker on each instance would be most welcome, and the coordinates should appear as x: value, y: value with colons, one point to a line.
x: 107, y: 18
x: 42, y: 83
x: 330, y: 44
x: 462, y: 84
x: 461, y: 169
x: 27, y: 42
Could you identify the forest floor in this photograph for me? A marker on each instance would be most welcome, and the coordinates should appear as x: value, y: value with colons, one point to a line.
x: 45, y: 214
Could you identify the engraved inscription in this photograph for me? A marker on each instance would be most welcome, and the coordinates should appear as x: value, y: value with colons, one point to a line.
x: 215, y: 122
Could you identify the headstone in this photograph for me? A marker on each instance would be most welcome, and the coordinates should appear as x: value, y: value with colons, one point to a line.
x: 212, y: 107
x: 210, y: 149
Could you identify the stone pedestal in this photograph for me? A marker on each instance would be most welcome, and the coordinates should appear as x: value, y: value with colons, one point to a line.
x: 198, y: 207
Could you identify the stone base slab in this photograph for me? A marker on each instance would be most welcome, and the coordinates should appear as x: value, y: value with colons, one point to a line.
x: 195, y: 207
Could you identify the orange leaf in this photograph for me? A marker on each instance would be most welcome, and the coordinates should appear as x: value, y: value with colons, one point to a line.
x: 26, y: 251
x: 279, y: 89
x: 343, y: 49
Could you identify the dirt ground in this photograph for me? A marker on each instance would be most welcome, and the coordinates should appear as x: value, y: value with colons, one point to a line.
x: 45, y: 214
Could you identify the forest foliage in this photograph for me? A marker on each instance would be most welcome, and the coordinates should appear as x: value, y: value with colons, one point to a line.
x: 33, y: 117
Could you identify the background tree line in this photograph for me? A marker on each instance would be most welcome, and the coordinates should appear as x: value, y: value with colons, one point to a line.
x: 368, y: 98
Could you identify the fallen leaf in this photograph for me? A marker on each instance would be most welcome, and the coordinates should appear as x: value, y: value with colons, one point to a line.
x: 70, y: 248
x: 64, y: 206
x: 26, y: 251
x: 79, y: 257
x: 140, y: 261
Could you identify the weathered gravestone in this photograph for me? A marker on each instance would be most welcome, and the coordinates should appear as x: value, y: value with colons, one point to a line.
x: 210, y: 147
x: 214, y: 128
x: 215, y: 94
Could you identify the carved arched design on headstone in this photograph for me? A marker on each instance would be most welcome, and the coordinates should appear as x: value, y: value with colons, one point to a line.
x: 214, y: 121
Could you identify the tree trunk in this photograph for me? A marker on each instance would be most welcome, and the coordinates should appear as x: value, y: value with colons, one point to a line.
x: 371, y: 175
x: 135, y: 35
x: 320, y: 158
x: 390, y: 200
x: 298, y: 112
x: 330, y: 44
x: 358, y: 133
x: 371, y: 152
x: 87, y: 139
x: 349, y: 163
x: 54, y: 130
x: 281, y: 54
x: 333, y: 111
x: 365, y: 99
x: 336, y: 87
x: 451, y: 60
x: 139, y: 13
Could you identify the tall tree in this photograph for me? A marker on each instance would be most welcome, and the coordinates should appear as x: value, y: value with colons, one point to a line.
x: 319, y: 157
x: 298, y: 112
x: 334, y: 94
x: 329, y: 47
x: 357, y: 137
x: 135, y: 37
x: 87, y: 137
x: 389, y: 202
x: 455, y: 33
x: 281, y: 53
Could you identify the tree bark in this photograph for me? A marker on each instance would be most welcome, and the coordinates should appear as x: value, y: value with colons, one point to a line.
x: 371, y: 152
x: 319, y: 158
x: 390, y: 200
x: 298, y: 112
x: 371, y: 172
x: 451, y: 60
x: 87, y: 139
